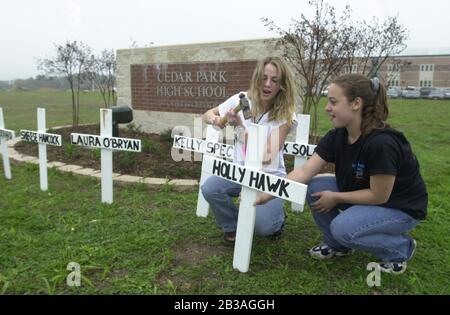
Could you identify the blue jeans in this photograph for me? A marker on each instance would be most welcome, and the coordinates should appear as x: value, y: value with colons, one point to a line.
x: 219, y: 193
x: 378, y: 230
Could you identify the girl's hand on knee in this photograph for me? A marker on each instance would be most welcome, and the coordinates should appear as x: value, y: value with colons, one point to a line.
x: 326, y: 200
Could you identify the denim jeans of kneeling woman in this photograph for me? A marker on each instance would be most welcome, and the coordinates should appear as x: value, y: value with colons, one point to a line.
x: 378, y: 230
x: 220, y: 192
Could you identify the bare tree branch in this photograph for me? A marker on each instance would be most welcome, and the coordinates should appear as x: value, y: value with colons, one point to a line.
x: 319, y: 48
x: 71, y: 62
x: 102, y: 73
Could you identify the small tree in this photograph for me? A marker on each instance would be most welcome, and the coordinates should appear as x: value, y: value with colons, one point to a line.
x: 317, y: 49
x: 71, y: 61
x: 377, y: 42
x: 102, y: 73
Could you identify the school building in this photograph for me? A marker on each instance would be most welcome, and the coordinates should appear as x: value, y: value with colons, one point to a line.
x: 173, y: 85
x: 415, y: 70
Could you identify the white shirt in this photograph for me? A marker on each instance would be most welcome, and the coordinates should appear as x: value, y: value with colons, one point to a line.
x: 276, y: 167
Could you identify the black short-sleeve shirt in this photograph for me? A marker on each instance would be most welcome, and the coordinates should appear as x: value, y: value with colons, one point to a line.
x: 383, y: 151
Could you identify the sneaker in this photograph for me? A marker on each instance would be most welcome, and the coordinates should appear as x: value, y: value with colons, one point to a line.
x: 229, y: 238
x: 398, y: 267
x: 414, y: 245
x: 393, y: 267
x: 279, y: 232
x: 323, y: 251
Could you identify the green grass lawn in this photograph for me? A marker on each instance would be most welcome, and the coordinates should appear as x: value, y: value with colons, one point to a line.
x: 19, y: 108
x: 151, y: 242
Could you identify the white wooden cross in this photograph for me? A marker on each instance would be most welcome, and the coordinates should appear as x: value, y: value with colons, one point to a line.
x: 5, y: 135
x: 252, y: 180
x: 210, y: 146
x: 43, y: 139
x: 107, y: 143
x: 300, y: 149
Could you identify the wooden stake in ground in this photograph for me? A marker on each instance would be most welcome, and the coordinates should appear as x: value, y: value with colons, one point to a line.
x: 5, y: 135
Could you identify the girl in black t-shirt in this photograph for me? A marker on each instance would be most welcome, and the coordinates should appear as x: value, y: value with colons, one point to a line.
x: 377, y: 194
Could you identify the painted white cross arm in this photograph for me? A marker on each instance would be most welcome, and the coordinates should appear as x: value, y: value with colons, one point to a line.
x: 6, y: 134
x: 204, y: 146
x: 38, y: 137
x: 102, y: 142
x: 273, y: 185
x: 299, y: 149
x: 227, y: 151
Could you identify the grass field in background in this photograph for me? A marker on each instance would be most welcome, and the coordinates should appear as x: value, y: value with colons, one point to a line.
x: 151, y: 242
x: 19, y: 108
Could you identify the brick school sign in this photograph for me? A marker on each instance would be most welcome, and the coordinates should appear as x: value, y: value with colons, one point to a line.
x: 169, y: 86
x: 187, y: 87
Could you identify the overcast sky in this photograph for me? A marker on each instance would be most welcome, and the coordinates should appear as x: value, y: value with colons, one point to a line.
x: 29, y: 28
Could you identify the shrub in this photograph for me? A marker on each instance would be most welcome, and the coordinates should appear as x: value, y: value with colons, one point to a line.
x: 96, y: 154
x: 148, y: 145
x: 151, y: 146
x: 166, y: 135
x: 70, y: 150
x: 132, y: 127
x: 125, y: 160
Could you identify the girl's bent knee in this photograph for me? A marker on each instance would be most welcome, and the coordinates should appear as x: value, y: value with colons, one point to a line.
x: 207, y: 191
x: 264, y: 230
x: 339, y: 231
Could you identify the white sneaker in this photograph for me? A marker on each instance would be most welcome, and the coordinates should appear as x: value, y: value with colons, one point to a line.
x: 393, y: 267
x: 414, y: 244
x: 397, y: 267
x: 323, y: 251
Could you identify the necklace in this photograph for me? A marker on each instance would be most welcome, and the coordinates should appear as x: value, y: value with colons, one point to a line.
x: 260, y: 117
